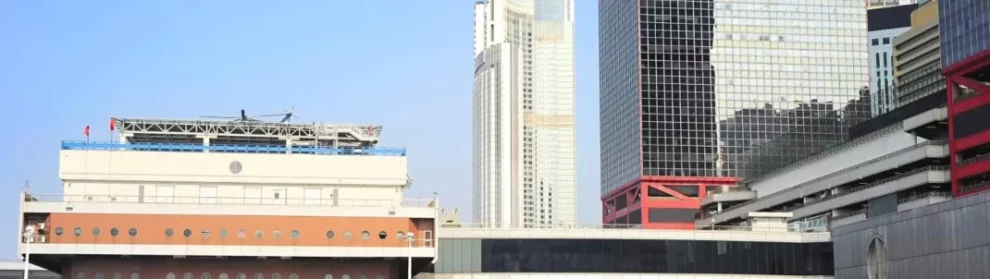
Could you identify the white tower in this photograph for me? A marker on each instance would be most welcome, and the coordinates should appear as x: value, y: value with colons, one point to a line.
x: 523, y: 113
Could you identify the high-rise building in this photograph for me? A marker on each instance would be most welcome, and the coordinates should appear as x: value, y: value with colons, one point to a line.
x: 917, y: 59
x: 692, y: 91
x: 964, y: 32
x: 523, y: 138
x: 885, y: 24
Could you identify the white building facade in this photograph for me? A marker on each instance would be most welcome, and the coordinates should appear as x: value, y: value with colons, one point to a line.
x: 523, y: 137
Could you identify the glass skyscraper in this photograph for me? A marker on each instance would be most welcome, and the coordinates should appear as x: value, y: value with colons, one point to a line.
x: 700, y: 93
x: 523, y: 115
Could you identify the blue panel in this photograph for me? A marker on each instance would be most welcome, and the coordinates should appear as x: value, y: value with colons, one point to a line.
x: 171, y: 147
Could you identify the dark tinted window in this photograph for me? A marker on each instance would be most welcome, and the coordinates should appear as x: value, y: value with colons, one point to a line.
x: 671, y: 215
x: 971, y: 122
x: 688, y: 190
x: 655, y: 256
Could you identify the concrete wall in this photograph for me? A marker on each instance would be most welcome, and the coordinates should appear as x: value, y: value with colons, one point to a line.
x: 836, y: 159
x: 133, y: 176
x: 945, y: 240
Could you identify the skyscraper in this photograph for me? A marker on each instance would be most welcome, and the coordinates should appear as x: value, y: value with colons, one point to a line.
x: 697, y: 94
x: 523, y: 117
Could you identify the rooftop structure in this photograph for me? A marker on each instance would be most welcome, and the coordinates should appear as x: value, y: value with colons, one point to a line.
x: 212, y: 132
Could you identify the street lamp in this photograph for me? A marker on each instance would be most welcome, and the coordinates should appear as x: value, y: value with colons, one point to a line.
x: 410, y: 237
x: 28, y: 235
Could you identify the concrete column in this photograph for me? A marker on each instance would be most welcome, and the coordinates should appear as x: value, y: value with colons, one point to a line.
x: 288, y: 143
x: 206, y: 141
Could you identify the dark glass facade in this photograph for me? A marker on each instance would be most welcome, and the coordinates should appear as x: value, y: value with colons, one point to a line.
x: 964, y: 29
x: 634, y: 256
x: 698, y: 88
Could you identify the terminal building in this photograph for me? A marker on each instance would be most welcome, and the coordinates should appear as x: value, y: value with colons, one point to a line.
x: 230, y: 199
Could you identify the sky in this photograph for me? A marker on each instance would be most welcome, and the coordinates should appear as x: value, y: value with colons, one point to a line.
x: 406, y: 65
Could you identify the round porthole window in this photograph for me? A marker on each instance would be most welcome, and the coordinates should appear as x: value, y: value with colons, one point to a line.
x: 223, y: 276
x: 382, y: 235
x: 205, y: 276
x: 132, y: 232
x: 169, y: 232
x: 96, y: 231
x: 81, y: 275
x: 187, y: 233
x: 223, y: 234
x: 170, y: 276
x: 295, y: 235
x: 277, y: 234
x: 116, y: 275
x: 187, y: 275
x: 241, y: 234
x: 59, y: 231
x: 259, y: 234
x: 114, y: 232
x: 293, y: 276
x: 77, y: 231
x: 329, y: 234
x: 347, y: 235
x: 134, y: 275
x: 241, y: 276
x: 365, y: 235
x: 401, y: 235
x: 276, y: 276
x: 328, y: 276
x: 259, y: 276
x: 205, y: 233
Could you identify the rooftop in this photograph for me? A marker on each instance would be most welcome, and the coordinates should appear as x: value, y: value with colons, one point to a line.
x: 231, y: 148
x: 148, y: 130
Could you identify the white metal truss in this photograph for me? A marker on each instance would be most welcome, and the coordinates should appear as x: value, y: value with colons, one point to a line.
x: 302, y: 132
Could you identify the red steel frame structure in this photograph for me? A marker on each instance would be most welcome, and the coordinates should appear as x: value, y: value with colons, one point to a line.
x: 956, y: 75
x: 637, y: 199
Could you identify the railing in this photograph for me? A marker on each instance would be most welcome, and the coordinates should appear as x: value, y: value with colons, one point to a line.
x: 924, y: 196
x: 969, y: 187
x: 489, y: 227
x: 842, y: 171
x: 975, y: 159
x: 230, y: 200
x: 181, y: 147
x: 871, y: 185
x: 849, y: 214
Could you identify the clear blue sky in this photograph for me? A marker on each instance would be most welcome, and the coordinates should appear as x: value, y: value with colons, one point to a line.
x: 406, y: 65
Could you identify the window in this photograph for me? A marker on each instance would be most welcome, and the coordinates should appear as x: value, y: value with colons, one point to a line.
x: 132, y: 232
x: 259, y: 234
x: 241, y: 276
x: 135, y: 275
x: 98, y: 275
x: 187, y: 233
x: 81, y: 275
x: 222, y: 276
x: 330, y: 236
x: 114, y: 232
x: 59, y: 231
x: 205, y: 275
x: 886, y: 41
x: 382, y: 235
x: 241, y: 234
x: 96, y: 232
x: 328, y: 276
x: 259, y: 276
x: 401, y: 235
x: 205, y: 233
x: 187, y: 275
x: 347, y: 235
x: 169, y: 232
x: 276, y: 276
x: 875, y: 42
x: 116, y: 275
x: 223, y: 234
x: 170, y: 276
x: 277, y: 234
x: 365, y: 235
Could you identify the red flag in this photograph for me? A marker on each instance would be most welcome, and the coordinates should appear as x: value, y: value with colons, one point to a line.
x: 113, y: 125
x: 86, y: 131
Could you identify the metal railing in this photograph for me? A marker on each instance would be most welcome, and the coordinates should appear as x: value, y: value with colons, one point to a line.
x: 969, y: 187
x: 228, y: 148
x: 924, y: 196
x: 842, y: 171
x: 871, y: 185
x: 975, y: 159
x: 230, y: 200
x: 849, y: 214
x: 490, y: 227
